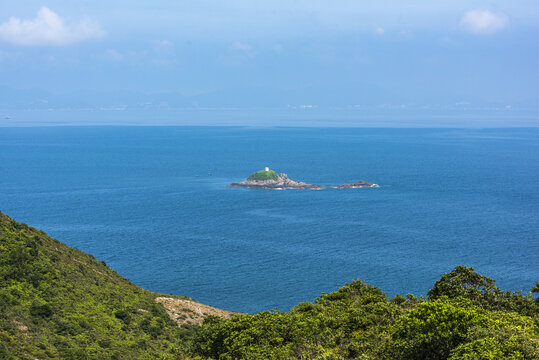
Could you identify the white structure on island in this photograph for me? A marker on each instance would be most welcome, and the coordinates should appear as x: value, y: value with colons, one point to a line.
x: 267, y: 168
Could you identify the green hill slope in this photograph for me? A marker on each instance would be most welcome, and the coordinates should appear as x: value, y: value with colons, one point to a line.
x: 59, y: 302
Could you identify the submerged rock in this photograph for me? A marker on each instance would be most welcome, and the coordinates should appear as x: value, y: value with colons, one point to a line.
x: 355, y: 185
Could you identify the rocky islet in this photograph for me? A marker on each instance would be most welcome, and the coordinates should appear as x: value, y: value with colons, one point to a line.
x: 284, y: 182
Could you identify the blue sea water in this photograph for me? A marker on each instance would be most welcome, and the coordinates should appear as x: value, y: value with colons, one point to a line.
x: 153, y: 203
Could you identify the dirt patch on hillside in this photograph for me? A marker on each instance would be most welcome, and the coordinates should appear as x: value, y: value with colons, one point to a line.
x: 190, y: 312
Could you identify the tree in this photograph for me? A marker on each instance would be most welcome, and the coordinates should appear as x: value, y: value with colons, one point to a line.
x: 462, y: 281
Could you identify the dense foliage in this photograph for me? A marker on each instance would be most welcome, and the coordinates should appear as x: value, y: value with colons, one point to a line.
x: 263, y: 175
x: 58, y: 302
x: 465, y: 317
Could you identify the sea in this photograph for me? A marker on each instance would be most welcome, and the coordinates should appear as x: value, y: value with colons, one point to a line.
x: 155, y: 205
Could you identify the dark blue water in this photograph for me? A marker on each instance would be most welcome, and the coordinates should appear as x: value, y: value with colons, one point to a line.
x: 131, y: 197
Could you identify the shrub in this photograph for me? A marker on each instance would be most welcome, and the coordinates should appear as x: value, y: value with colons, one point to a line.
x: 40, y: 310
x: 263, y: 175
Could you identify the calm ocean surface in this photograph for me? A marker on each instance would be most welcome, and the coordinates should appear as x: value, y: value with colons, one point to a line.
x: 142, y: 199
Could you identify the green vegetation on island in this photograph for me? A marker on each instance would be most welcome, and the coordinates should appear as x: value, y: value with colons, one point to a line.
x: 60, y: 303
x: 263, y: 175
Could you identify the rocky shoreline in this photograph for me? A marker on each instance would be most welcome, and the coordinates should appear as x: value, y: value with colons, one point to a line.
x: 284, y: 182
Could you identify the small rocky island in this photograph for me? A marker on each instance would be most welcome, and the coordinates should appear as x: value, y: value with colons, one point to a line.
x: 269, y: 179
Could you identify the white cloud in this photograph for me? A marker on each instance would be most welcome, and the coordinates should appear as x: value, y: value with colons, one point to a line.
x: 245, y: 48
x: 113, y: 55
x: 380, y: 31
x: 483, y: 21
x: 165, y: 46
x: 163, y: 53
x: 48, y: 29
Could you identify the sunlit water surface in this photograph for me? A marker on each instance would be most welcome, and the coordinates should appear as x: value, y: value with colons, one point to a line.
x: 153, y: 203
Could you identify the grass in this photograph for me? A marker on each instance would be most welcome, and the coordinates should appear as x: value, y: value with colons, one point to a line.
x: 263, y: 175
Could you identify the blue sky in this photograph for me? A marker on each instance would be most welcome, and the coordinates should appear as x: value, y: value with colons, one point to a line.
x: 303, y: 62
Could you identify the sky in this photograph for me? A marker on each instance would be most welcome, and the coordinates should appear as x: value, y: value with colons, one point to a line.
x: 207, y: 62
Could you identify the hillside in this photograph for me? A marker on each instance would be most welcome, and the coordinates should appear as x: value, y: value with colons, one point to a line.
x: 60, y: 303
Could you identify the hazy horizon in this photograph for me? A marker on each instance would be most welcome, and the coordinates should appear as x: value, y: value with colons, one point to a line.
x: 305, y: 63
